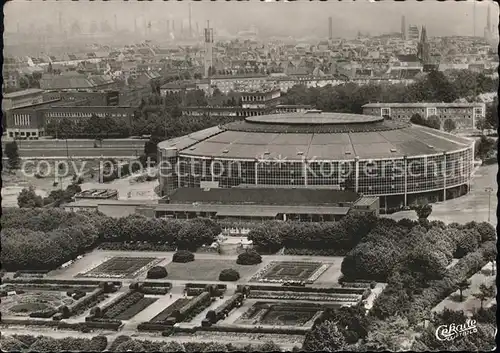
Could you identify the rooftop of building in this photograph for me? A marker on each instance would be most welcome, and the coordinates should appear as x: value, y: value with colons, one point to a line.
x: 282, y: 143
x: 262, y: 196
x: 22, y: 93
x: 422, y: 105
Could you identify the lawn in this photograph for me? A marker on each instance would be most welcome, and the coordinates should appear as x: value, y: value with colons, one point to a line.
x: 206, y: 270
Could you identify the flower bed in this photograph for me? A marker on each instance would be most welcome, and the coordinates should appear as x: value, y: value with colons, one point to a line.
x: 136, y: 308
x: 354, y: 298
x: 121, y: 305
x: 337, y: 290
x: 121, y: 267
x: 285, y: 271
x: 315, y: 252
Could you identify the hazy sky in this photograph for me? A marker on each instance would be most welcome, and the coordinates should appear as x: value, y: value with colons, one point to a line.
x: 300, y: 18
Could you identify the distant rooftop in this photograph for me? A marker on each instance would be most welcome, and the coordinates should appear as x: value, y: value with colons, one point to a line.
x: 22, y: 93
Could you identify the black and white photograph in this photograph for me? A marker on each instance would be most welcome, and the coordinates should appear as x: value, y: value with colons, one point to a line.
x: 249, y: 176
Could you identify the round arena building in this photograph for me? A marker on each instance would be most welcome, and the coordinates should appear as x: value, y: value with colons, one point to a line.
x: 399, y: 162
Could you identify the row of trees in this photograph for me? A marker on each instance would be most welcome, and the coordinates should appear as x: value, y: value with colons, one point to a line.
x: 434, y: 87
x: 422, y: 247
x: 44, y: 238
x: 343, y: 235
x: 28, y: 198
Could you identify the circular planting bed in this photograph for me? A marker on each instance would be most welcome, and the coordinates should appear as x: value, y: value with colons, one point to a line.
x: 26, y: 303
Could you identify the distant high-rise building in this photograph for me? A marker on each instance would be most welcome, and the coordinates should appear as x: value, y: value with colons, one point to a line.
x: 330, y: 28
x: 403, y: 27
x: 209, y: 41
x: 413, y: 33
x: 488, y: 30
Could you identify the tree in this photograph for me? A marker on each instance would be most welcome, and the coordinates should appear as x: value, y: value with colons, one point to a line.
x: 268, y: 346
x: 484, y: 147
x: 485, y: 293
x: 29, y: 199
x: 490, y: 254
x: 449, y: 125
x: 463, y: 285
x: 325, y: 337
x: 434, y: 122
x: 423, y: 211
x: 483, y: 124
x: 130, y: 346
x: 417, y: 119
x: 172, y: 346
x: 12, y: 153
x: 492, y: 114
x: 216, y: 347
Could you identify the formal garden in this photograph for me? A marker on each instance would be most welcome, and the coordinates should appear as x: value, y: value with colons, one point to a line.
x: 121, y: 267
x: 421, y: 262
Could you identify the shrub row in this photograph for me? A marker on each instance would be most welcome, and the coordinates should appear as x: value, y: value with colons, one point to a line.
x: 137, y: 246
x: 220, y: 286
x: 155, y: 290
x: 337, y: 290
x: 315, y: 252
x: 83, y: 304
x: 45, y: 314
x: 201, y: 301
x: 215, y: 315
x: 63, y: 325
x: 70, y: 282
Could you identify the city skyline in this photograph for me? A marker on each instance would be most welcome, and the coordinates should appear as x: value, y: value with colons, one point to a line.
x: 308, y: 19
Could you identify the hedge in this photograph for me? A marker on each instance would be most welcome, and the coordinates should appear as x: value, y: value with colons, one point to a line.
x: 200, y: 301
x: 43, y: 314
x: 249, y: 257
x: 91, y: 298
x: 220, y: 286
x: 226, y: 307
x: 337, y: 290
x: 74, y: 282
x: 156, y: 284
x: 62, y: 325
x: 154, y: 290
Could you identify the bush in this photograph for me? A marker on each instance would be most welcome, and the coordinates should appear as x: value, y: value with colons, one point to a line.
x: 229, y: 275
x: 157, y: 272
x: 249, y: 257
x: 183, y: 256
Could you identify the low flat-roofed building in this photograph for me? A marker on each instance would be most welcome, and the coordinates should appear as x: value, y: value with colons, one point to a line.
x: 97, y: 194
x: 113, y: 208
x: 24, y: 98
x: 258, y: 204
x: 465, y: 115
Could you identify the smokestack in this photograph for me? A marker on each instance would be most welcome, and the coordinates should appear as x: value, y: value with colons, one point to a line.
x: 197, y: 29
x: 167, y: 25
x: 116, y: 25
x: 403, y: 27
x: 474, y: 19
x: 173, y: 26
x: 488, y: 19
x: 135, y: 25
x: 330, y: 28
